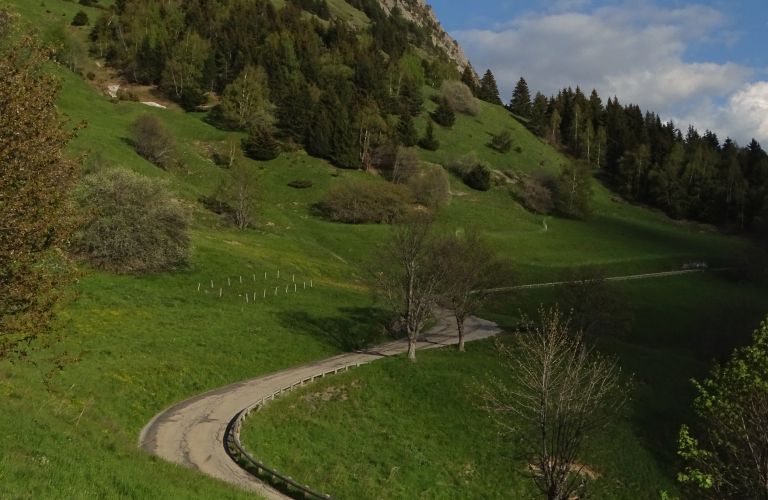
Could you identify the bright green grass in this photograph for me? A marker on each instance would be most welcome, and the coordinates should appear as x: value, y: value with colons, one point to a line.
x: 396, y: 430
x: 151, y: 341
x: 424, y: 419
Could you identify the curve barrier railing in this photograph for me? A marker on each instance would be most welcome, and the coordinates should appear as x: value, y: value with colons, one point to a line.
x: 236, y: 447
x: 616, y: 278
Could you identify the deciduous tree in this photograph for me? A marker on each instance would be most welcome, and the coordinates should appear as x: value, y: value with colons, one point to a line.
x: 473, y: 270
x: 564, y: 393
x: 408, y: 275
x: 726, y: 453
x: 36, y: 213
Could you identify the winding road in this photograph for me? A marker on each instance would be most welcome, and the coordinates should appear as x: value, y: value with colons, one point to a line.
x: 193, y: 432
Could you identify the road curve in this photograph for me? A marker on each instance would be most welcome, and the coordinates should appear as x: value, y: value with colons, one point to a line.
x: 192, y: 432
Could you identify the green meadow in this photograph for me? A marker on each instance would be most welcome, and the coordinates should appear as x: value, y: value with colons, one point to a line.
x: 388, y: 430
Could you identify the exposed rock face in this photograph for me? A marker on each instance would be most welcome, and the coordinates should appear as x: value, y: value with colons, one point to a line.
x: 419, y: 12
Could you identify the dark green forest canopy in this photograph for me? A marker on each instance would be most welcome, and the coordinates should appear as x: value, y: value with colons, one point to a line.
x: 317, y: 71
x: 689, y: 175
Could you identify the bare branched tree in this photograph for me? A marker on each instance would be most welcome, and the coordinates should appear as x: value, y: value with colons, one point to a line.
x: 153, y: 140
x: 242, y: 193
x: 408, y: 275
x: 563, y: 393
x: 473, y: 270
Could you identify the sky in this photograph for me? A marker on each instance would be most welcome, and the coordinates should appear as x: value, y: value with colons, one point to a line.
x: 703, y: 62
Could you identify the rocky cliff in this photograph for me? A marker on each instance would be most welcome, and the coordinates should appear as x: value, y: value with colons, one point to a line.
x: 419, y: 12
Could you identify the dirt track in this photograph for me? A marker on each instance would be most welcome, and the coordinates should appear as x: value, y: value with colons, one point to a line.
x: 192, y: 432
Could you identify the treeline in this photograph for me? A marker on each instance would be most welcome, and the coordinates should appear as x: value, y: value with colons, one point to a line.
x: 324, y: 86
x: 689, y: 175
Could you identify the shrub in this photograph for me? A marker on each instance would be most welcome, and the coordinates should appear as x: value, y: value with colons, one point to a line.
x: 463, y: 165
x: 534, y: 192
x: 397, y: 164
x: 80, y: 19
x: 261, y: 144
x: 431, y: 189
x: 301, y: 184
x: 152, y: 140
x: 501, y: 142
x: 365, y: 202
x: 479, y: 178
x: 137, y: 225
x: 459, y: 98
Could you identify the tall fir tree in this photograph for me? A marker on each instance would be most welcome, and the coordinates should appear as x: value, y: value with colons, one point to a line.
x: 429, y: 141
x: 521, y: 99
x: 444, y: 115
x: 488, y: 91
x: 468, y: 79
x: 406, y: 130
x: 538, y: 120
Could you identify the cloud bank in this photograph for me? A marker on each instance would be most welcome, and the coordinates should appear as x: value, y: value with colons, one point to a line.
x: 635, y: 51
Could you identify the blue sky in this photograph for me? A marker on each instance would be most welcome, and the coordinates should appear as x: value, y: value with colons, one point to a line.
x: 701, y: 62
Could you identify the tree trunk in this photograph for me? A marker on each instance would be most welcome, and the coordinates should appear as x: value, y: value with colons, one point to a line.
x: 412, y: 349
x: 460, y: 324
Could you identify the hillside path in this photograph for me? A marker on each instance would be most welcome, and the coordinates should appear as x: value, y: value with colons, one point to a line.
x: 193, y: 432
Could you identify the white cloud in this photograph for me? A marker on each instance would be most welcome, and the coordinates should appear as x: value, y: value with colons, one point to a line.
x: 744, y: 115
x: 634, y: 51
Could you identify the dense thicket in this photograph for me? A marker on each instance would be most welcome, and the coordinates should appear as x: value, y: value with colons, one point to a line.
x: 688, y: 175
x: 317, y: 84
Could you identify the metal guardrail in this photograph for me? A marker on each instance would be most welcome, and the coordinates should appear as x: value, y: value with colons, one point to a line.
x: 617, y: 278
x: 233, y: 433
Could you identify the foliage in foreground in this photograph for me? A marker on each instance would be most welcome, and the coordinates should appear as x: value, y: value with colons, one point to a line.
x: 727, y: 452
x: 36, y: 215
x: 137, y: 226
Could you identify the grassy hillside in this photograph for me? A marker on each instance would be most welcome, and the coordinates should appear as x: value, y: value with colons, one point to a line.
x: 150, y: 341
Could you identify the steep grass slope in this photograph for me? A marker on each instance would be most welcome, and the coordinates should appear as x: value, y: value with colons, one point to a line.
x: 149, y: 341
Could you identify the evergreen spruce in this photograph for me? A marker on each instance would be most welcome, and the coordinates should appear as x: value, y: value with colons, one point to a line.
x: 521, y: 99
x: 444, y: 115
x: 501, y: 142
x: 406, y: 131
x: 468, y: 79
x: 429, y: 141
x: 411, y: 98
x: 80, y: 19
x: 489, y: 92
x: 260, y: 144
x: 538, y: 119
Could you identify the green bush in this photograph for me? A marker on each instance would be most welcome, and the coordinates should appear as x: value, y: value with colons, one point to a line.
x: 479, y: 178
x: 444, y: 115
x: 261, y: 144
x: 80, y: 19
x: 137, y: 224
x: 365, y: 202
x: 153, y: 140
x: 431, y: 188
x: 301, y: 184
x: 501, y: 142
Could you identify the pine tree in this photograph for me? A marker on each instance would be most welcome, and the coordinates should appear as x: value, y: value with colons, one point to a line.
x: 489, y: 92
x: 521, y: 99
x: 261, y: 144
x: 468, y: 79
x: 411, y: 98
x: 429, y: 141
x: 80, y: 19
x: 538, y: 120
x: 444, y: 115
x: 406, y: 131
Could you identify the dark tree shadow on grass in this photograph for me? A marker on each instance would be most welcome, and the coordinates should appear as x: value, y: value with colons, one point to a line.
x: 351, y: 329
